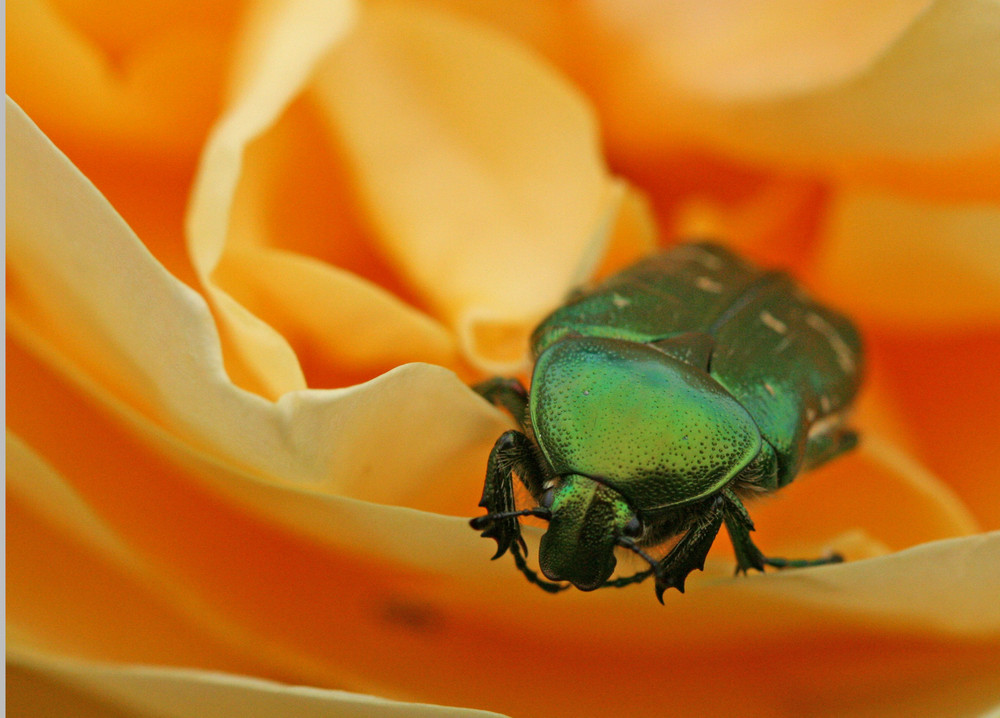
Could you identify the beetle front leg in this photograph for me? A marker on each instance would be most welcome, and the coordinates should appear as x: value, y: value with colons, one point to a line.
x: 689, y: 553
x: 509, y: 394
x: 512, y: 454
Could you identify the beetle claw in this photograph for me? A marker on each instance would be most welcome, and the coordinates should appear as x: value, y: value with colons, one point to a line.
x: 669, y: 581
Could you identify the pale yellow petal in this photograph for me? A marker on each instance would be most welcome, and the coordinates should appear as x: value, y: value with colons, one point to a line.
x: 758, y: 49
x: 482, y: 175
x: 344, y: 329
x: 39, y: 684
x: 86, y: 293
x: 920, y: 116
x: 280, y: 45
x: 910, y: 264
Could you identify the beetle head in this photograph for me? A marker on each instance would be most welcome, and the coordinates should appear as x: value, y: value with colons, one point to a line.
x: 588, y: 519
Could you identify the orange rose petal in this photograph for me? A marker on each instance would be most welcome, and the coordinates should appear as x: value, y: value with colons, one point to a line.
x: 878, y: 489
x: 74, y: 587
x: 294, y: 194
x: 752, y: 49
x: 43, y: 685
x: 470, y: 171
x: 282, y: 43
x: 946, y: 387
x: 905, y: 264
x: 84, y: 291
x: 359, y: 612
x: 386, y: 599
x: 361, y: 576
x: 344, y: 330
x: 892, y: 120
x: 633, y: 236
x: 153, y: 98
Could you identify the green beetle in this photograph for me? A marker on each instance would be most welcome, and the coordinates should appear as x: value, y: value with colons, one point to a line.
x: 661, y: 400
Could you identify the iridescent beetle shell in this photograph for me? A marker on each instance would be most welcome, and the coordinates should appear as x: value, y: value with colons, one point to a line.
x: 660, y: 400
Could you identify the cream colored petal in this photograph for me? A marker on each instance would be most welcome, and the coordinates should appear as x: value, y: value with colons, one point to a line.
x: 891, y: 590
x: 45, y: 685
x: 280, y: 45
x: 478, y: 165
x: 751, y: 49
x: 344, y: 328
x: 920, y: 115
x: 85, y: 290
x: 904, y: 263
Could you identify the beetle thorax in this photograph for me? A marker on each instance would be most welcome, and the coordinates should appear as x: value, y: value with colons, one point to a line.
x: 659, y: 431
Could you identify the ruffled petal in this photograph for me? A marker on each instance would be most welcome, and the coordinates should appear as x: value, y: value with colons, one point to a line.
x: 483, y: 177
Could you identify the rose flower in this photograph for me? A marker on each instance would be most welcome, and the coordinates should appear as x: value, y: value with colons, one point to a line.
x: 257, y: 253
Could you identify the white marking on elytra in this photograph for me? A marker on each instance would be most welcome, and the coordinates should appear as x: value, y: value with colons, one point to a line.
x: 620, y: 301
x: 824, y: 403
x: 783, y: 345
x: 708, y: 284
x: 826, y: 425
x: 772, y: 322
x: 845, y: 357
x: 770, y: 389
x: 810, y: 414
x: 700, y: 255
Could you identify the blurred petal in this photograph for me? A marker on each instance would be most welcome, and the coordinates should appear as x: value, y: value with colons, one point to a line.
x: 316, y: 307
x: 945, y: 385
x: 41, y: 685
x: 483, y: 177
x: 896, y: 501
x: 915, y: 265
x: 151, y: 91
x: 918, y: 115
x: 752, y: 49
x: 283, y: 42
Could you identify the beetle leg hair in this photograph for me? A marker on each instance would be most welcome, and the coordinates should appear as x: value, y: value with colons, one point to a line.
x: 636, y: 577
x: 512, y: 454
x: 689, y: 553
x: 533, y: 577
x: 506, y: 393
x: 739, y: 525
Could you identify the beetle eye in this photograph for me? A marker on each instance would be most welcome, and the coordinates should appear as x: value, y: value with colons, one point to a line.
x: 547, y: 498
x: 633, y: 528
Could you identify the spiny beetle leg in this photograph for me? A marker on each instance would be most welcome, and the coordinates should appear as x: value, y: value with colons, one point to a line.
x: 739, y: 525
x: 748, y: 556
x: 512, y: 453
x: 689, y: 553
x: 803, y: 562
x: 509, y: 394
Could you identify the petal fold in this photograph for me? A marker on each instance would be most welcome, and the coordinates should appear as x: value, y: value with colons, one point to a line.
x: 483, y: 177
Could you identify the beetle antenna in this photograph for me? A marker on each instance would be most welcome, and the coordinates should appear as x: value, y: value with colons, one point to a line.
x: 533, y: 577
x: 480, y: 522
x: 630, y: 545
